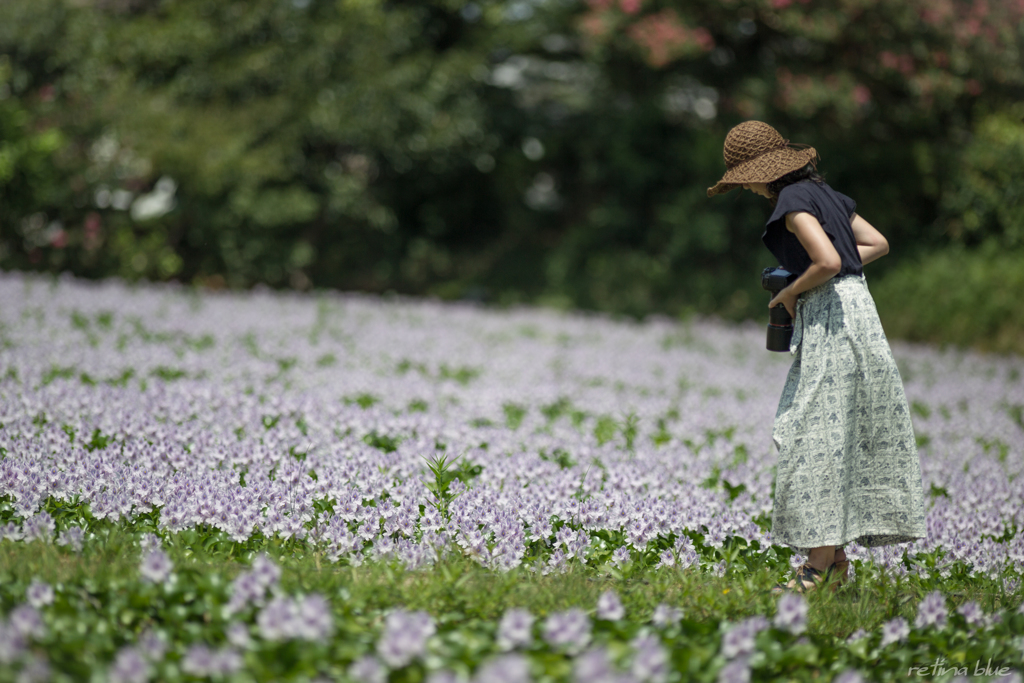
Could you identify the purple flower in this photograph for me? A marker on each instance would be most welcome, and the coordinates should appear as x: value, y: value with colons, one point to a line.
x: 857, y: 635
x: 621, y: 556
x: 313, y: 618
x: 667, y: 558
x: 72, y: 537
x: 152, y: 645
x: 737, y: 641
x: 792, y: 613
x: 894, y: 631
x: 238, y: 635
x: 932, y: 611
x: 666, y: 615
x: 405, y: 637
x: 736, y: 671
x: 569, y: 629
x: 225, y: 662
x: 277, y: 621
x: 198, y: 661
x: 972, y: 613
x: 245, y: 589
x: 156, y: 567
x: 264, y: 571
x: 202, y: 662
x: 129, y: 667
x: 26, y: 621
x: 593, y: 667
x: 39, y: 526
x: 515, y: 629
x: 510, y: 668
x: 609, y: 607
x: 849, y: 676
x: 12, y: 643
x: 149, y: 542
x: 367, y: 669
x: 443, y: 676
x: 650, y: 660
x: 35, y: 669
x: 39, y: 594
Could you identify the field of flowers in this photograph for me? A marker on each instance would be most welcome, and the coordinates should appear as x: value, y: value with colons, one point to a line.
x: 268, y: 486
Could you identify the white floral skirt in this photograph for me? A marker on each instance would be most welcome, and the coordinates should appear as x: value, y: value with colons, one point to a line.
x: 848, y: 466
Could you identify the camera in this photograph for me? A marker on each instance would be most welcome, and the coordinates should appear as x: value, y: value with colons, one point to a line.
x: 780, y: 323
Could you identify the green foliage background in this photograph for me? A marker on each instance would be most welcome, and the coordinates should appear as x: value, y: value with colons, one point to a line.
x: 510, y: 151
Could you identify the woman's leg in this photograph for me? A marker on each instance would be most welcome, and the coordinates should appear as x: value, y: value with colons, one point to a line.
x: 822, y: 558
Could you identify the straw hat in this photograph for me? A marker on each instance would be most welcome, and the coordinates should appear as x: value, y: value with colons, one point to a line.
x: 756, y: 153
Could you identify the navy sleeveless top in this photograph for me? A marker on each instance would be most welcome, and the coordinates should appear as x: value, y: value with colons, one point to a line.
x: 832, y: 209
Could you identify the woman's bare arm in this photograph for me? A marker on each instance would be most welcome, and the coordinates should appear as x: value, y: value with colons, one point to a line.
x: 825, y: 260
x: 870, y: 243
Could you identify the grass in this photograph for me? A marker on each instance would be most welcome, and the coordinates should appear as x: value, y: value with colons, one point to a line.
x: 458, y: 588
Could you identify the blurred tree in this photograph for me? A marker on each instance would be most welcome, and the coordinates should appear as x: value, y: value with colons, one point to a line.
x: 985, y: 200
x: 507, y: 150
x: 887, y: 92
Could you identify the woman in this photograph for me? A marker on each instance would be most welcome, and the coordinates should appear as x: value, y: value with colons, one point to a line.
x: 848, y: 466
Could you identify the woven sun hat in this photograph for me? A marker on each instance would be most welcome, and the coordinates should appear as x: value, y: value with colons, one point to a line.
x: 756, y: 153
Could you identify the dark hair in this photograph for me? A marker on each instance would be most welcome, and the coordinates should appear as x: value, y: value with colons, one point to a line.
x: 808, y: 172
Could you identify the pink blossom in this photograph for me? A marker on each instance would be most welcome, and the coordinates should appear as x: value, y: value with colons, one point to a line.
x: 631, y: 6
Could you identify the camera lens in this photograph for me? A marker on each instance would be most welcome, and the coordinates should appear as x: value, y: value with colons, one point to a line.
x: 779, y: 337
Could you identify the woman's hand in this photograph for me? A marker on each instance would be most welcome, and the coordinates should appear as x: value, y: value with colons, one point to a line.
x: 787, y: 298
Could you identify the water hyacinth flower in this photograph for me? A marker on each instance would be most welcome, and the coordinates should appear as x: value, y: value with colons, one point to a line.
x: 515, y: 629
x: 667, y: 558
x: 313, y: 618
x: 39, y: 594
x: 12, y: 643
x: 265, y: 572
x: 156, y: 567
x: 857, y: 635
x: 444, y: 676
x: 569, y: 630
x: 34, y: 669
x: 894, y: 631
x: 736, y: 671
x: 38, y: 527
x: 932, y: 611
x: 368, y: 669
x: 26, y: 621
x: 149, y: 542
x: 972, y: 613
x: 621, y: 556
x: 203, y: 662
x: 609, y: 607
x: 276, y: 620
x: 73, y: 537
x: 404, y: 637
x: 129, y: 667
x: 152, y: 645
x: 238, y: 635
x: 666, y: 615
x: 849, y: 676
x: 593, y: 666
x: 739, y: 640
x: 11, y: 532
x: 650, y: 660
x: 510, y: 668
x: 791, y: 614
x: 306, y: 619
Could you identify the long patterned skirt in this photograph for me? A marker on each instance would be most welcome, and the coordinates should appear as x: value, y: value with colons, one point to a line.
x: 848, y: 466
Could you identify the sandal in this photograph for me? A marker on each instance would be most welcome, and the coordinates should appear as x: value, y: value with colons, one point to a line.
x: 806, y: 580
